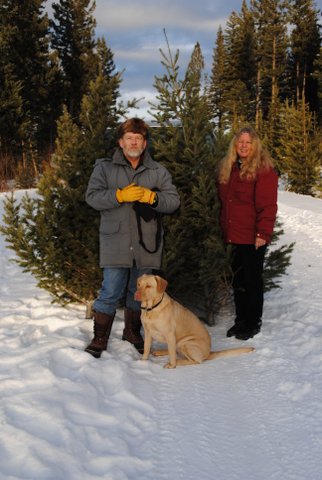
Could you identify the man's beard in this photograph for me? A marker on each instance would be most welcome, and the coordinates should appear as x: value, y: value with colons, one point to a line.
x: 134, y: 153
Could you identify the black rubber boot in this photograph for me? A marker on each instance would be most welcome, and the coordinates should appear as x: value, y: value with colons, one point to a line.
x: 236, y: 328
x: 249, y: 331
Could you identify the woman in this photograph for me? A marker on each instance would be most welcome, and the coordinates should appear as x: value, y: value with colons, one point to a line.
x: 247, y: 186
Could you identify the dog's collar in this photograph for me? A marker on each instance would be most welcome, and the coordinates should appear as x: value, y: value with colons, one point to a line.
x: 148, y: 309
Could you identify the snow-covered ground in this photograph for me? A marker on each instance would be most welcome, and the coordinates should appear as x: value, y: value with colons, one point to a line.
x: 67, y: 416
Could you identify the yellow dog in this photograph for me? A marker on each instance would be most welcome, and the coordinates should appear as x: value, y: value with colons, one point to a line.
x: 166, y: 321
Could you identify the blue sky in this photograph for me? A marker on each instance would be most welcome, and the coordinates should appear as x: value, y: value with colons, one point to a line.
x: 134, y: 30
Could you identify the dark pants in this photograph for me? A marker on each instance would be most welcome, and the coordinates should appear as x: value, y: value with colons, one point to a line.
x: 247, y: 266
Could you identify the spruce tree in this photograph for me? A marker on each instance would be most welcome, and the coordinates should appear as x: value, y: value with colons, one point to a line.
x: 232, y: 93
x: 72, y: 38
x: 194, y: 257
x: 277, y: 260
x: 56, y: 234
x: 241, y: 64
x: 269, y: 129
x: 236, y: 96
x: 318, y: 77
x: 217, y: 84
x: 271, y: 45
x: 304, y: 50
x: 299, y: 154
x: 12, y: 124
x: 25, y: 79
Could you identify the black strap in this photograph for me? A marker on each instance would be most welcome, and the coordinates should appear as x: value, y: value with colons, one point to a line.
x: 148, y: 309
x: 157, y: 236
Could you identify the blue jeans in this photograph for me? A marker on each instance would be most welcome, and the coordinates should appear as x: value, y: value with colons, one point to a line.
x: 118, y: 282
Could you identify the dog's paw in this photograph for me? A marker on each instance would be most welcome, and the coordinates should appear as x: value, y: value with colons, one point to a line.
x: 160, y: 353
x: 169, y: 365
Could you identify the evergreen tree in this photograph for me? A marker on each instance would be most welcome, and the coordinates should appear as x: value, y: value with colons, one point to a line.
x: 12, y: 124
x: 236, y: 95
x: 24, y: 78
x: 269, y: 129
x: 318, y: 77
x: 277, y: 260
x: 217, y: 82
x: 73, y: 39
x: 241, y: 44
x: 272, y: 41
x: 232, y: 93
x: 299, y: 154
x: 56, y: 234
x: 100, y: 109
x: 305, y: 49
x: 194, y: 257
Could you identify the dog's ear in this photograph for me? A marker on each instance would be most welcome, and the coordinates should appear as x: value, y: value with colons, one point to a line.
x: 161, y: 284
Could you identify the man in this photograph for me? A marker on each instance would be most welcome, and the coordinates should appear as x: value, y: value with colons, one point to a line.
x: 129, y: 245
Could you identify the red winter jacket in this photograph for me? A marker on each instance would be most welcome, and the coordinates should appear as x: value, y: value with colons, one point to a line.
x: 248, y: 207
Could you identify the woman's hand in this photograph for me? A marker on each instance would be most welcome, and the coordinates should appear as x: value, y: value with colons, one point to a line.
x: 259, y: 242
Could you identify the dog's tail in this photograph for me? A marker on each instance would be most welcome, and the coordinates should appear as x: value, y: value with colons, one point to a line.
x: 230, y: 352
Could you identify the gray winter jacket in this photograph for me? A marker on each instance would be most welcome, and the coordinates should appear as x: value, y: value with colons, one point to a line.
x: 119, y: 237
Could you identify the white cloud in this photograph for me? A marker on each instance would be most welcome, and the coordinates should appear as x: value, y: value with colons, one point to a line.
x: 149, y: 54
x: 136, y: 14
x: 143, y: 55
x: 145, y: 97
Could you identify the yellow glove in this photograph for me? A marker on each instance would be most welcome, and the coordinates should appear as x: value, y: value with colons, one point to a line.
x: 148, y: 196
x: 130, y: 193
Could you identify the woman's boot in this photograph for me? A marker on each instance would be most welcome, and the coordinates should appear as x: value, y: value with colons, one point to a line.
x: 102, y: 329
x: 132, y: 329
x: 249, y: 331
x: 236, y: 328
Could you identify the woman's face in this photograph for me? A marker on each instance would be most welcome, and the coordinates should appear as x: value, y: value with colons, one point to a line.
x: 244, y: 145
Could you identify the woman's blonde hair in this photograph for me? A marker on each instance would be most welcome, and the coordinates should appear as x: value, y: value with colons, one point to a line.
x: 258, y: 159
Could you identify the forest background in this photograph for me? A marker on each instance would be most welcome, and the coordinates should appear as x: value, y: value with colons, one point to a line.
x: 60, y: 105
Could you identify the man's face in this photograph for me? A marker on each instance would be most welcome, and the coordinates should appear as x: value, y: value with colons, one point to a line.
x: 133, y: 145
